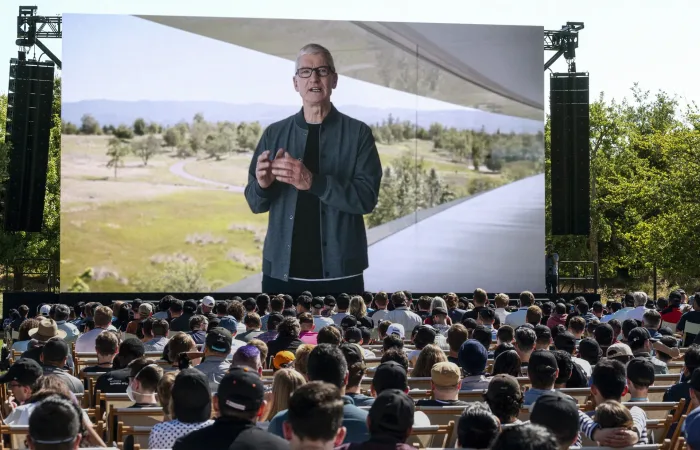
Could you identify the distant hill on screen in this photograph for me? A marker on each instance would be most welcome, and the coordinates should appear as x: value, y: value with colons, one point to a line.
x: 171, y: 112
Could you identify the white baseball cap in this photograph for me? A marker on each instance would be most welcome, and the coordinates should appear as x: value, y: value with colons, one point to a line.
x: 45, y: 310
x: 396, y: 329
x: 208, y: 301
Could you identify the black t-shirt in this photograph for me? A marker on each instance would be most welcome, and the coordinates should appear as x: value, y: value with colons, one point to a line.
x: 306, y: 256
x: 96, y: 369
x: 227, y: 433
x: 473, y: 314
x: 181, y: 323
x: 114, y: 382
x: 432, y: 402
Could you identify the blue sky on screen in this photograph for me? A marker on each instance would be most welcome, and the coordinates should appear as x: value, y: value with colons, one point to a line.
x: 156, y: 62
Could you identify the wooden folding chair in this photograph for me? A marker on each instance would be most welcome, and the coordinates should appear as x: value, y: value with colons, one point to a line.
x: 435, y: 436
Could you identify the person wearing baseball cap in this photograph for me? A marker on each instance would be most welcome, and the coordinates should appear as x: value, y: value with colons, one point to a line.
x: 505, y: 398
x: 390, y: 421
x: 559, y: 414
x: 239, y: 402
x: 283, y: 360
x: 54, y: 355
x: 317, y: 305
x: 445, y: 380
x: 217, y: 347
x: 396, y: 329
x: 20, y: 379
x: 621, y: 352
x: 639, y: 341
x: 542, y: 372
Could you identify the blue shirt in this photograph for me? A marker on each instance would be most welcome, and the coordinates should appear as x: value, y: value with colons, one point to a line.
x: 532, y: 394
x: 354, y: 420
x: 229, y: 323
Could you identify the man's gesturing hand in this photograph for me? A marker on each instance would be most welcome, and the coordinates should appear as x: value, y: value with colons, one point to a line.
x: 263, y: 170
x: 290, y: 170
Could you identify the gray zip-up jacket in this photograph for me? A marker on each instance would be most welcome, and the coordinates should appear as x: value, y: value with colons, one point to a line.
x: 347, y: 185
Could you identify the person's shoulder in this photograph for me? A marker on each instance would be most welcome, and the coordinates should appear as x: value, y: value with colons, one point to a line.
x: 280, y: 125
x: 255, y: 437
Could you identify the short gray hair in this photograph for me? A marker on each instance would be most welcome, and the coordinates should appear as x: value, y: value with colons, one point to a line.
x: 640, y: 298
x: 315, y: 49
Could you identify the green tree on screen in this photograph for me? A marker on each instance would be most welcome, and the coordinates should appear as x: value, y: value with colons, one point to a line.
x: 139, y: 127
x: 172, y: 137
x: 89, y: 125
x: 117, y: 150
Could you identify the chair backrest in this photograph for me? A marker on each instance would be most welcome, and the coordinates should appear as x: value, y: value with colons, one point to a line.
x: 140, y: 434
x: 436, y: 436
x: 666, y: 379
x: 17, y: 435
x: 581, y: 395
x: 655, y: 410
x: 141, y: 417
x: 670, y: 325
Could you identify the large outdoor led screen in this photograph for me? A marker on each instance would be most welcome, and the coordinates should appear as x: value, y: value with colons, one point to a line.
x: 427, y: 174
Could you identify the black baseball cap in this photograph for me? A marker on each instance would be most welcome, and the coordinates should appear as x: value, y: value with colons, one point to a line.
x: 304, y: 301
x: 589, y: 349
x: 348, y: 321
x: 190, y: 306
x: 219, y: 339
x: 639, y: 334
x: 439, y: 310
x: 640, y: 371
x: 543, y: 362
x: 565, y: 341
x: 503, y: 385
x: 557, y: 412
x: 241, y: 389
x: 24, y: 371
x: 424, y: 334
x: 392, y: 411
x: 352, y: 353
x: 329, y: 300
x: 353, y: 335
x: 390, y: 375
x: 191, y: 396
x: 317, y: 302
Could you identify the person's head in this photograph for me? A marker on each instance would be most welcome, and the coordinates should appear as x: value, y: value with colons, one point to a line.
x: 565, y: 365
x: 164, y: 391
x: 609, y: 381
x: 639, y: 340
x: 487, y: 316
x: 590, y: 350
x: 252, y: 321
x: 577, y: 325
x: 55, y: 423
x: 640, y: 299
x: 446, y: 380
x: 505, y: 334
x: 25, y: 327
x: 144, y: 376
x: 283, y: 360
x: 61, y: 313
x: 357, y: 307
x: 391, y: 416
x: 235, y: 310
x: 315, y: 417
x: 668, y: 341
x: 526, y: 299
x: 389, y: 375
x: 456, y: 336
x: 507, y: 363
x: 616, y: 326
x: 21, y: 378
x: 427, y: 358
x: 250, y: 305
x: 54, y: 353
x: 543, y: 369
x: 477, y: 427
x: 480, y: 297
x: 533, y: 316
x: 560, y: 309
x: 301, y: 358
x: 604, y: 335
x: 627, y: 326
x: 525, y: 341
x: 284, y: 383
x: 329, y: 335
x: 218, y: 342
x: 353, y: 335
x: 396, y: 329
x: 620, y: 352
x: 544, y: 337
x: 525, y: 436
x: 289, y: 328
x: 502, y: 301
x: 472, y: 358
x: 483, y: 335
x: 582, y: 307
x: 46, y: 330
x: 180, y: 343
x: 248, y: 356
x: 505, y: 397
x: 208, y: 304
x: 129, y: 350
x: 241, y: 395
x: 640, y: 375
x: 423, y: 335
x: 315, y: 76
x: 343, y: 302
x: 262, y: 348
x: 106, y: 346
x: 304, y: 304
x: 613, y: 414
x: 263, y: 303
x: 191, y: 397
x: 652, y: 319
x: 160, y: 328
x: 327, y: 363
x: 559, y: 414
x: 356, y: 364
x: 276, y: 304
x: 396, y: 355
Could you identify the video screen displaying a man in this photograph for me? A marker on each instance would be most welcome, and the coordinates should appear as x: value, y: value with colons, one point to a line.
x: 316, y: 173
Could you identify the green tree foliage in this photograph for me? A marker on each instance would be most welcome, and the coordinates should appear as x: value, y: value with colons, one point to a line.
x: 117, y: 150
x: 645, y: 157
x: 107, y: 129
x: 172, y: 137
x: 69, y: 128
x: 123, y: 132
x: 173, y: 276
x: 139, y: 127
x: 89, y: 125
x: 154, y: 128
x: 45, y: 244
x: 145, y: 148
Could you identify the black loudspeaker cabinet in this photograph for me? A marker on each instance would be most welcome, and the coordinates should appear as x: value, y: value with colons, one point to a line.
x: 570, y: 154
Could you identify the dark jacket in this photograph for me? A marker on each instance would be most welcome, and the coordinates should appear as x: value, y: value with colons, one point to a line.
x: 347, y: 185
x: 280, y: 344
x: 229, y: 433
x: 181, y: 323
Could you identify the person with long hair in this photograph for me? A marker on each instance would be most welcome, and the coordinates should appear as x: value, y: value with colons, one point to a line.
x: 285, y: 382
x: 507, y: 363
x: 22, y: 342
x: 358, y: 309
x: 427, y: 358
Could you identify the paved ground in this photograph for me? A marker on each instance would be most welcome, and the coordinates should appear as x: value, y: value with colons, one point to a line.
x: 179, y: 170
x: 494, y: 241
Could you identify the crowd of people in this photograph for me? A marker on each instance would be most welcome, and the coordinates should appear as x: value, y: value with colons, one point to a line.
x: 275, y: 371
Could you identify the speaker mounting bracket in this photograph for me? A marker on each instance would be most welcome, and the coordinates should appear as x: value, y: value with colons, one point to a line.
x: 563, y: 42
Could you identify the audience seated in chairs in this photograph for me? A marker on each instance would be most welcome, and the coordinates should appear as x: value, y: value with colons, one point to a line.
x: 117, y: 380
x: 106, y: 347
x: 477, y: 428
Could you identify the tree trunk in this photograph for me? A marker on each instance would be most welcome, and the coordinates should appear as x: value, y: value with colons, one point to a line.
x: 18, y: 277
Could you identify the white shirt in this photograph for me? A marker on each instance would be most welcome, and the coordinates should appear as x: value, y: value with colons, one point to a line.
x: 407, y: 318
x: 619, y: 315
x: 235, y: 345
x: 517, y: 318
x: 636, y: 314
x: 501, y: 313
x: 164, y: 435
x: 71, y: 330
x: 86, y: 341
x: 338, y: 317
x: 320, y: 322
x: 379, y: 316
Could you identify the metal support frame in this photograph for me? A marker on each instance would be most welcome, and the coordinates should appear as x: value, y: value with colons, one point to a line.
x: 563, y: 42
x: 31, y: 27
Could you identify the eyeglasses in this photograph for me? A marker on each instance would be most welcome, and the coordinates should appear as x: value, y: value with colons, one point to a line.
x: 14, y: 385
x: 322, y: 71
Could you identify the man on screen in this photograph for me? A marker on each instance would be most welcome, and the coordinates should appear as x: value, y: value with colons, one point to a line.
x: 317, y: 173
